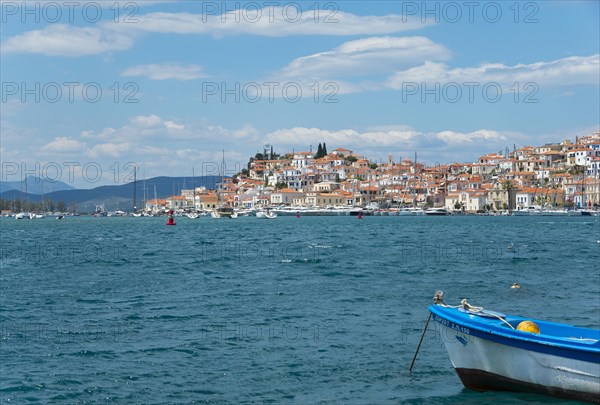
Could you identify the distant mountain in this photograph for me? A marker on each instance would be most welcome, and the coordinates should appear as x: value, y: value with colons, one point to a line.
x: 34, y: 185
x: 116, y: 197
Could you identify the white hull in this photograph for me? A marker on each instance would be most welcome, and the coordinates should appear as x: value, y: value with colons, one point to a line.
x: 265, y: 215
x: 405, y: 212
x: 474, y: 357
x: 437, y: 212
x: 311, y: 211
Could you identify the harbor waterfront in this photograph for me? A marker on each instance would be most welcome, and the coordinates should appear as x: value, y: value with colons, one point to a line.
x: 296, y: 310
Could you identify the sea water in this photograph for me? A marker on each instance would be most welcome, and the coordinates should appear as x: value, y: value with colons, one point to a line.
x: 292, y: 310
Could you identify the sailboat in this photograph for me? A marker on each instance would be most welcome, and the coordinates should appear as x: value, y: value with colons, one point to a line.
x: 583, y: 210
x: 194, y: 213
x: 414, y: 210
x: 222, y: 211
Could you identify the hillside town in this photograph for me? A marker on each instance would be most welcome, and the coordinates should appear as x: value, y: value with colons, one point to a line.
x: 563, y: 175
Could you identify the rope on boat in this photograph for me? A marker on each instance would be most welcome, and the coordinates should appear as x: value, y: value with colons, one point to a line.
x: 438, y: 299
x: 469, y: 307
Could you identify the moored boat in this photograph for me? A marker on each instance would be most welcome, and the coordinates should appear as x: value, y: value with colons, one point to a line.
x: 411, y: 211
x: 493, y: 351
x: 224, y: 212
x: 266, y: 214
x: 437, y: 211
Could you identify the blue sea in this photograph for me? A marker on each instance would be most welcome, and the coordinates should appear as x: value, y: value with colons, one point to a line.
x: 293, y: 310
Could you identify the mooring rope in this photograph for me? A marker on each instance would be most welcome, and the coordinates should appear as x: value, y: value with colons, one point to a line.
x: 439, y: 300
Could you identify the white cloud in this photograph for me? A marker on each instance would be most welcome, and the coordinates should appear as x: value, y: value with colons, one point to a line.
x: 452, y: 137
x: 65, y: 40
x: 63, y: 144
x: 398, y: 140
x: 567, y: 71
x: 275, y: 22
x: 367, y: 56
x: 106, y: 133
x: 165, y: 71
x: 108, y: 36
x: 380, y: 63
x: 173, y: 126
x: 146, y: 121
x: 112, y: 150
x: 404, y: 137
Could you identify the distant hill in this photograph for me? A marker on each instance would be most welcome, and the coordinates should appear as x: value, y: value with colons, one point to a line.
x: 34, y: 185
x: 116, y: 197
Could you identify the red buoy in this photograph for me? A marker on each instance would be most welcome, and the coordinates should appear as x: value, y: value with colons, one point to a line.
x: 297, y: 215
x: 359, y: 215
x: 171, y: 220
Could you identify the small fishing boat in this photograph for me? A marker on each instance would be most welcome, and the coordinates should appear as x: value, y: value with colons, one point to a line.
x: 224, y: 212
x: 491, y: 351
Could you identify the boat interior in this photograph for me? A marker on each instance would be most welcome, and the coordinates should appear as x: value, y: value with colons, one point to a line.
x: 558, y: 330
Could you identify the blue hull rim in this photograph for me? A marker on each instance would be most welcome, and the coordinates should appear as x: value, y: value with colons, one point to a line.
x: 479, y: 380
x: 510, y: 337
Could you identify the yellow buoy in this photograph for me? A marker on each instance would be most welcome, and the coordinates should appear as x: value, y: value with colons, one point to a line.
x: 528, y: 326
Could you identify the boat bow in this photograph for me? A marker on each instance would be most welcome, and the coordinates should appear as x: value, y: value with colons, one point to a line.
x: 489, y: 352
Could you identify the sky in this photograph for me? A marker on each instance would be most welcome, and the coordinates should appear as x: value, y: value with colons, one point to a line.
x: 92, y: 89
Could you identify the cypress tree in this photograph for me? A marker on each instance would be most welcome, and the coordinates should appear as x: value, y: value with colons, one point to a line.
x: 319, y: 152
x: 324, y: 151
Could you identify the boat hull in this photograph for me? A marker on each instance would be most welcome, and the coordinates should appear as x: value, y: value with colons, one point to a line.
x: 479, y: 380
x: 484, y: 361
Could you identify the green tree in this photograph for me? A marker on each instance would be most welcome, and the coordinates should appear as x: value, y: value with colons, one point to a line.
x: 324, y: 150
x: 319, y: 152
x: 351, y: 159
x: 373, y: 166
x: 508, y: 185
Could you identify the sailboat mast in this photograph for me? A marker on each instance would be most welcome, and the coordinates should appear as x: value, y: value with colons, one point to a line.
x: 415, y: 182
x: 134, y: 188
x: 221, y: 173
x: 583, y: 185
x: 193, y: 190
x: 144, y: 193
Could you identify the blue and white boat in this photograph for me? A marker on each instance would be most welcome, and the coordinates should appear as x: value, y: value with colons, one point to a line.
x: 491, y: 352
